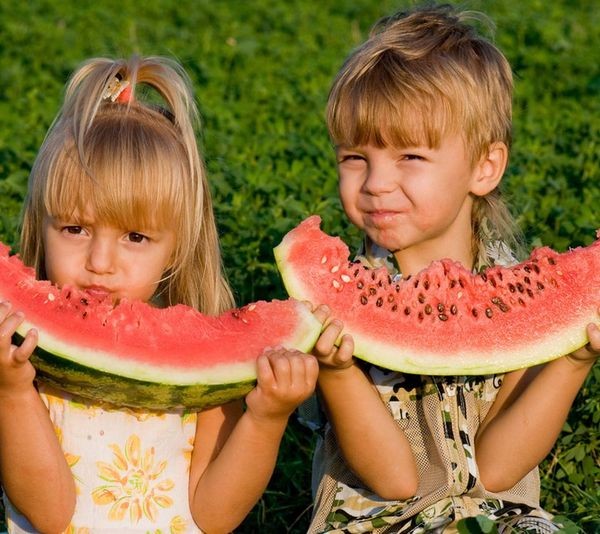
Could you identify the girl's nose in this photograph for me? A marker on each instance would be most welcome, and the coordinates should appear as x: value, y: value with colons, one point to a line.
x: 101, y: 256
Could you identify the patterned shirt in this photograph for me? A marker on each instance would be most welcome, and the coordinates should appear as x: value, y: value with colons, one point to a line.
x: 439, y: 416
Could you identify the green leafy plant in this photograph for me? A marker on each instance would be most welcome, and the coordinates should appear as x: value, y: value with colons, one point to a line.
x: 262, y: 71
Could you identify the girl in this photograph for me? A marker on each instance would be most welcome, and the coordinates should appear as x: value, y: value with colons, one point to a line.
x: 420, y: 115
x: 119, y: 206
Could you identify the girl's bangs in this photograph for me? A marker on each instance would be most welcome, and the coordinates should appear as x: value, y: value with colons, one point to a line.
x: 122, y: 184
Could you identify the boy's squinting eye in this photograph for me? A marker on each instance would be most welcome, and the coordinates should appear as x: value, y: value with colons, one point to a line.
x: 411, y: 157
x: 349, y: 157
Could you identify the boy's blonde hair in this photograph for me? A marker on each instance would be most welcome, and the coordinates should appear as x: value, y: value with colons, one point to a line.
x: 422, y: 75
x: 137, y: 166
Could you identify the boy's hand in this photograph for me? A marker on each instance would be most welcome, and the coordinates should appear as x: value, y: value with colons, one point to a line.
x: 16, y: 371
x: 591, y: 351
x: 331, y: 357
x: 285, y: 379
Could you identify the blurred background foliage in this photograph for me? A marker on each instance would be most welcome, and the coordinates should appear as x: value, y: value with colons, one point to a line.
x: 261, y: 71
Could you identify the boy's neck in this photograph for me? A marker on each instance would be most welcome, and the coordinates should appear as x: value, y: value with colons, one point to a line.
x: 456, y: 245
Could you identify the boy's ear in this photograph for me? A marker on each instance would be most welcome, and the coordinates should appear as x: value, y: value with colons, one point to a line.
x: 490, y: 169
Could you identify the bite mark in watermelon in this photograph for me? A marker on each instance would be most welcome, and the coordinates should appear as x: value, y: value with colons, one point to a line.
x: 447, y: 320
x: 133, y: 354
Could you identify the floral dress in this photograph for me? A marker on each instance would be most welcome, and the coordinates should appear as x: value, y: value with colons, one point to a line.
x: 131, y: 467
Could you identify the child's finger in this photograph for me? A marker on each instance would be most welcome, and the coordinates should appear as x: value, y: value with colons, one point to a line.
x: 322, y: 313
x: 326, y: 342
x: 5, y: 308
x: 284, y: 367
x: 345, y: 350
x: 264, y: 372
x: 9, y: 325
x: 22, y: 353
x: 311, y: 366
x: 593, y: 332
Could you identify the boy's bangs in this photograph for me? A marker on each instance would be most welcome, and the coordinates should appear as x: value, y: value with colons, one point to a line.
x: 386, y: 108
x: 123, y: 189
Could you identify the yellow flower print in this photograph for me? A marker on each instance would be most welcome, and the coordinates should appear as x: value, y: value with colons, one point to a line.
x: 133, y: 485
x: 76, y: 530
x: 177, y: 525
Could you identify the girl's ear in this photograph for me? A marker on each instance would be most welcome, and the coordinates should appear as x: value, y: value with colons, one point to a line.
x: 490, y: 169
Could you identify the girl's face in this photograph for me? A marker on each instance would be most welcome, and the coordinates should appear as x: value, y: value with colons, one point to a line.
x: 413, y: 201
x: 106, y: 261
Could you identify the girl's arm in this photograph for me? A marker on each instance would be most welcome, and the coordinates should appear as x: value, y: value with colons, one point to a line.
x: 235, y: 451
x: 34, y: 473
x: 528, y: 415
x: 365, y: 430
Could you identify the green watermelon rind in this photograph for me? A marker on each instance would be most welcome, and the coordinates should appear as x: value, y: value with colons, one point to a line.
x: 121, y: 391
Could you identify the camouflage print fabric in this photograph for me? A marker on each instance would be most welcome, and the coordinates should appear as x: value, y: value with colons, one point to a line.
x: 440, y: 416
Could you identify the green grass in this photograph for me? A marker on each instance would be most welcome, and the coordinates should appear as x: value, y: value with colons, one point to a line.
x: 261, y: 71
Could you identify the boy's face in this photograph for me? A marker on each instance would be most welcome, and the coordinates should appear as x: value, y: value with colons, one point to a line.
x: 106, y: 261
x: 413, y: 201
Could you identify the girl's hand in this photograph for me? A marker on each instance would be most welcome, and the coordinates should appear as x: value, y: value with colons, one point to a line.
x: 16, y: 371
x: 331, y: 357
x: 591, y: 351
x: 285, y: 379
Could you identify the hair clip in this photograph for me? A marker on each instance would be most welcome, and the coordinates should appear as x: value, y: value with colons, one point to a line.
x: 117, y: 90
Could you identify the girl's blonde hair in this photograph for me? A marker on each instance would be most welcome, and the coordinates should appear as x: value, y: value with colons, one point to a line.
x: 137, y: 166
x: 422, y: 75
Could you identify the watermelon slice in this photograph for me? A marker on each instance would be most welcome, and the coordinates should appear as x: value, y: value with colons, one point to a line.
x: 136, y: 355
x: 447, y: 320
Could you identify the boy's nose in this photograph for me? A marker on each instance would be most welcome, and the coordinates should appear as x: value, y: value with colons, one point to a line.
x: 101, y: 256
x: 380, y: 179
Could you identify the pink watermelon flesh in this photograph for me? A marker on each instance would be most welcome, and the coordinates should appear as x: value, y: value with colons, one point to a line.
x: 178, y: 356
x: 447, y: 320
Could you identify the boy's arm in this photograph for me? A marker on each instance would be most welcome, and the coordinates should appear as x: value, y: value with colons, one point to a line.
x: 235, y: 452
x: 533, y: 405
x: 365, y: 430
x: 34, y: 472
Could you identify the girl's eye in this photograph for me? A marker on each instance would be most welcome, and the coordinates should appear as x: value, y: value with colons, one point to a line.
x: 136, y: 237
x: 74, y: 230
